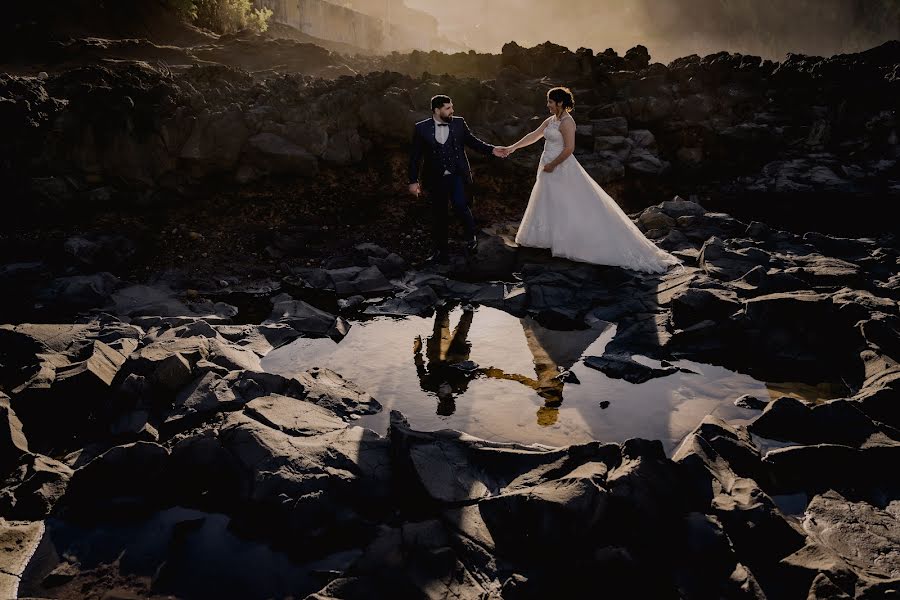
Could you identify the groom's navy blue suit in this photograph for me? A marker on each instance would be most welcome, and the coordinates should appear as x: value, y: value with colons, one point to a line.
x: 445, y: 172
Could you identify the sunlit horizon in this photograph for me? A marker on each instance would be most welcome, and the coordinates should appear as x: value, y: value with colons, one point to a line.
x: 668, y: 29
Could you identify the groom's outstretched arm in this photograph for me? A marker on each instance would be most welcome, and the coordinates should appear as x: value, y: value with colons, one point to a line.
x: 473, y: 142
x: 415, y: 155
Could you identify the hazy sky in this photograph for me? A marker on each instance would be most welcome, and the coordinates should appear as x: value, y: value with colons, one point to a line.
x: 672, y: 28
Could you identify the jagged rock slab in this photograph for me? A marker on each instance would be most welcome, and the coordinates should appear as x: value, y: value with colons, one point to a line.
x: 18, y: 542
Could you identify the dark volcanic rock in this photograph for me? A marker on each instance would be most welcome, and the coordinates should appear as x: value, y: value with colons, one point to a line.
x: 344, y: 398
x: 322, y: 474
x: 723, y: 263
x: 357, y: 280
x: 418, y: 302
x: 695, y: 305
x: 133, y: 473
x: 32, y: 491
x: 751, y: 402
x: 852, y: 546
x: 271, y: 153
x: 305, y: 318
x: 451, y: 467
x: 80, y: 291
x: 293, y: 416
x: 836, y: 421
x: 13, y: 444
x: 621, y: 366
x: 212, y: 393
x: 824, y: 466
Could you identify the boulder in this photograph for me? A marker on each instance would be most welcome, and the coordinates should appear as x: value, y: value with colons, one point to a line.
x: 293, y: 416
x: 274, y: 154
x: 309, y: 484
x: 133, y: 473
x: 33, y: 489
x: 212, y: 393
x: 853, y: 544
x: 822, y: 271
x: 694, y: 305
x: 305, y: 318
x: 450, y: 467
x: 719, y: 261
x: 80, y: 291
x: 623, y: 366
x: 215, y: 141
x: 344, y: 398
x: 565, y: 512
x: 13, y: 444
x: 391, y: 265
x: 751, y: 402
x: 679, y: 207
x: 100, y: 251
x: 495, y: 259
x: 19, y: 540
x: 616, y: 126
x: 655, y: 218
x: 351, y: 281
x: 418, y: 302
x: 94, y: 373
x: 836, y: 421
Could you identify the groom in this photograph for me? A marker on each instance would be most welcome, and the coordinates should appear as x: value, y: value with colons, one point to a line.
x: 442, y: 140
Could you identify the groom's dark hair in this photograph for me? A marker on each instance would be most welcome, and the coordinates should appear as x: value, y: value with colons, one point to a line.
x: 439, y: 101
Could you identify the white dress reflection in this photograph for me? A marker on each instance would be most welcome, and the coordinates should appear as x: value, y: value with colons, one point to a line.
x: 443, y: 370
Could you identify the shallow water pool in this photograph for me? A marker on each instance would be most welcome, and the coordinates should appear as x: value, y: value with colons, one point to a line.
x: 494, y: 376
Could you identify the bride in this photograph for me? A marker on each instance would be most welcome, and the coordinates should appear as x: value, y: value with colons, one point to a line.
x: 569, y: 213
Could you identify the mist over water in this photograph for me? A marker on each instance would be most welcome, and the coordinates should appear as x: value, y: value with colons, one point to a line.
x: 672, y: 28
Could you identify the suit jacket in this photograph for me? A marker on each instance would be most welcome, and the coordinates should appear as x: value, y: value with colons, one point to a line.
x: 425, y: 145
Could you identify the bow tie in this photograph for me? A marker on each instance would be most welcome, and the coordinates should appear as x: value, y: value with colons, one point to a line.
x: 442, y: 124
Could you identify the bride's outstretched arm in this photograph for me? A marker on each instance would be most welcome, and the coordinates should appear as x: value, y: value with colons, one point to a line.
x: 529, y: 138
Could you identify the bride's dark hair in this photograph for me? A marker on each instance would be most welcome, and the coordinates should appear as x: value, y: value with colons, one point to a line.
x: 564, y: 96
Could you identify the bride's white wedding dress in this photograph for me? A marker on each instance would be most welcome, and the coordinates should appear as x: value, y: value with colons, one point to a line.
x: 569, y: 213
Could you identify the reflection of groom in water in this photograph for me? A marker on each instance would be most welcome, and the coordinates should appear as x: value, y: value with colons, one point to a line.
x: 554, y: 352
x: 444, y: 350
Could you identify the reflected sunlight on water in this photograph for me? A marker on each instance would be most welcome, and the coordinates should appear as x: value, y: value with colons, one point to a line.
x: 493, y: 375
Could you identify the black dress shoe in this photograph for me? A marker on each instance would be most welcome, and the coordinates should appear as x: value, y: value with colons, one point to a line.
x: 472, y: 245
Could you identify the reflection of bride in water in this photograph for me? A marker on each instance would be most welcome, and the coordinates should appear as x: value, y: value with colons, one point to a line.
x: 446, y: 370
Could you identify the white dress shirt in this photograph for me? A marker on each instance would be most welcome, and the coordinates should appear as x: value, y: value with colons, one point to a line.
x: 441, y: 133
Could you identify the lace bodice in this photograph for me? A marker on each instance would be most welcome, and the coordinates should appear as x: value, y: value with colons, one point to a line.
x: 553, y: 141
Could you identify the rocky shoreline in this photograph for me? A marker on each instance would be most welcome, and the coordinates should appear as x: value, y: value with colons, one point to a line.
x: 156, y: 401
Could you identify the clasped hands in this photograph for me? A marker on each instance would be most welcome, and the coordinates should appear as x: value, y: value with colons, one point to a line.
x: 505, y: 151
